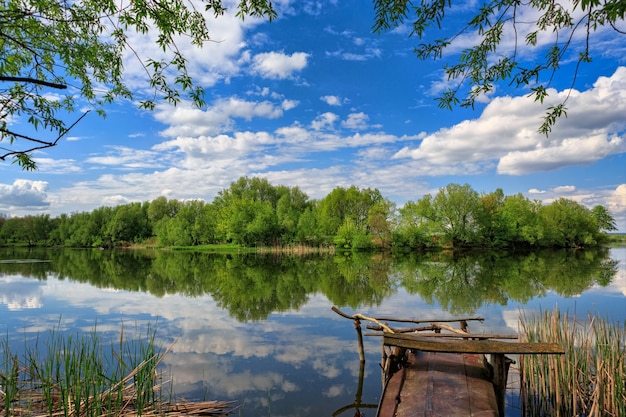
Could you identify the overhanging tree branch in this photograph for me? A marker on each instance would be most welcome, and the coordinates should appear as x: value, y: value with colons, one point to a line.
x: 34, y: 81
x: 58, y: 44
x: 44, y: 144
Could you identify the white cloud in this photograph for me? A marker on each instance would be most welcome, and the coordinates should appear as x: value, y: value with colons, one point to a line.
x: 331, y: 100
x: 591, y: 131
x: 279, y: 65
x: 24, y: 194
x: 215, y: 147
x: 186, y: 120
x: 368, y: 54
x: 290, y: 104
x: 123, y: 157
x: 574, y: 151
x: 324, y: 121
x: 56, y: 166
x: 564, y: 189
x: 356, y: 121
x: 617, y: 200
x: 217, y: 60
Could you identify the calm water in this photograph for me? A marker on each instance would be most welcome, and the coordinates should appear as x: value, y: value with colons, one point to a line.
x: 260, y: 330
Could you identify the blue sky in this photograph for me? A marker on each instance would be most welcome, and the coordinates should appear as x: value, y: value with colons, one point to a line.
x: 314, y: 99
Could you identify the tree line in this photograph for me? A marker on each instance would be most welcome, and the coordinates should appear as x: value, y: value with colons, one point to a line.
x: 252, y: 212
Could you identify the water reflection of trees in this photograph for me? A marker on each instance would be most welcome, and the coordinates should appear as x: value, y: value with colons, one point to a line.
x: 462, y: 284
x: 252, y: 286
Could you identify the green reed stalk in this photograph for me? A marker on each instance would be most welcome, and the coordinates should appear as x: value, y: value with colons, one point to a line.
x: 76, y: 376
x: 9, y: 376
x: 588, y: 380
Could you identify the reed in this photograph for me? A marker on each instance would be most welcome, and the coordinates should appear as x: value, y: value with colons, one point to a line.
x: 81, y: 376
x: 589, y: 380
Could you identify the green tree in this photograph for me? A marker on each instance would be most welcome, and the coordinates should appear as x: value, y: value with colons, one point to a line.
x: 307, y: 228
x: 567, y: 223
x: 379, y: 222
x: 52, y: 44
x: 458, y: 209
x: 351, y: 236
x: 519, y: 217
x: 86, y: 229
x: 243, y: 208
x: 559, y: 32
x: 492, y: 230
x: 290, y: 206
x: 161, y: 207
x: 604, y: 219
x: 128, y: 224
x: 342, y: 203
x: 193, y: 224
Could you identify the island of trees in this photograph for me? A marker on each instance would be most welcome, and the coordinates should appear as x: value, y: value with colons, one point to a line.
x: 254, y: 213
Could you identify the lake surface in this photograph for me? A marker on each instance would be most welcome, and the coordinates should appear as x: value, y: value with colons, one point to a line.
x: 259, y: 330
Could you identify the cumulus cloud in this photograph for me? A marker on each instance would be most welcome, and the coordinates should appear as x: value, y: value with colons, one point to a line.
x: 331, y: 100
x: 220, y: 151
x: 617, y: 200
x: 324, y: 121
x: 572, y: 151
x: 564, y: 189
x: 278, y: 65
x: 290, y: 104
x: 356, y: 121
x: 123, y: 157
x: 186, y: 120
x: 24, y: 194
x: 214, y: 62
x: 593, y: 130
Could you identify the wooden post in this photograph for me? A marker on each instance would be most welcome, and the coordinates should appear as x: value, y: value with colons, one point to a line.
x: 359, y: 333
x: 500, y: 364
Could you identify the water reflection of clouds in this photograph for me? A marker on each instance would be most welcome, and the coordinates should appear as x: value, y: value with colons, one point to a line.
x: 212, y: 347
x: 334, y: 391
x: 18, y: 294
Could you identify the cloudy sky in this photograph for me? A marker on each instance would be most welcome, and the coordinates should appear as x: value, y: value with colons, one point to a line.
x: 314, y: 99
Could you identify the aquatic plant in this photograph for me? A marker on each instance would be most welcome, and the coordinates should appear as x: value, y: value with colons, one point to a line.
x: 589, y: 380
x: 79, y: 375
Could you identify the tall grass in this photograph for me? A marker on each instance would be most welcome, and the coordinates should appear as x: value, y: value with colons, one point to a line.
x: 81, y: 376
x: 589, y: 380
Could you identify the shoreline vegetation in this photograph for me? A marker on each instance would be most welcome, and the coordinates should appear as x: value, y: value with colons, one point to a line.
x: 79, y: 376
x: 254, y: 214
x: 589, y: 380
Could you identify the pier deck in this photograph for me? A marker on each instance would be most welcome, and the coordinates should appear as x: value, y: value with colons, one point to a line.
x: 450, y: 377
x: 432, y: 384
x: 443, y: 374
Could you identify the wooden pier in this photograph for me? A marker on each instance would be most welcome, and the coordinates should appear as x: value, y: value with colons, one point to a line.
x: 450, y: 373
x: 440, y: 384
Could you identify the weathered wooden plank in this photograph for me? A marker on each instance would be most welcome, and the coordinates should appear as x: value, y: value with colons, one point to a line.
x: 476, y: 336
x: 430, y: 344
x: 440, y: 385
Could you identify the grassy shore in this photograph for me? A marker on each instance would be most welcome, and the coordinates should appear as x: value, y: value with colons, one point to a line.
x: 81, y: 376
x: 233, y: 248
x: 589, y: 380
